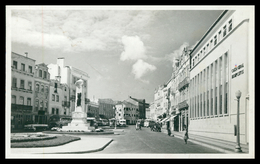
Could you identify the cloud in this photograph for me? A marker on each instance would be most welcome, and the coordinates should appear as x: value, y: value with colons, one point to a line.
x: 134, y: 48
x: 78, y: 30
x: 176, y: 53
x: 140, y: 68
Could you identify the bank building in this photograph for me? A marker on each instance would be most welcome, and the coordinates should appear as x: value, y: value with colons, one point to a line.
x: 221, y: 64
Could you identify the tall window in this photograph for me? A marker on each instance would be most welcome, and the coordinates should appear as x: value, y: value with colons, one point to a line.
x: 30, y: 69
x: 42, y: 88
x: 224, y: 31
x: 30, y: 85
x: 37, y: 86
x: 22, y: 84
x: 230, y: 25
x: 13, y: 99
x: 36, y: 104
x: 14, y: 83
x: 57, y: 98
x: 220, y: 99
x: 22, y: 67
x: 215, y: 40
x: 40, y: 73
x: 21, y: 100
x: 28, y: 101
x: 15, y: 64
x: 53, y: 97
x: 52, y: 110
x: 45, y: 106
x: 226, y: 85
x: 45, y: 74
x: 41, y: 105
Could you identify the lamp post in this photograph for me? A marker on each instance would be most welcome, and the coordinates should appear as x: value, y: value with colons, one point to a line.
x: 115, y: 115
x: 238, y: 148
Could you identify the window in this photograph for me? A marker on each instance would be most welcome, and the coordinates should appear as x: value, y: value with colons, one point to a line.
x: 14, y: 83
x: 42, y: 88
x: 57, y: 98
x: 46, y: 89
x: 40, y: 73
x: 22, y: 67
x: 215, y: 40
x: 41, y: 105
x: 13, y: 99
x: 37, y: 87
x: 224, y: 31
x: 30, y: 69
x: 230, y: 25
x: 45, y: 74
x: 45, y: 106
x: 55, y: 87
x: 219, y: 35
x: 36, y: 103
x: 21, y: 100
x: 211, y: 102
x: 226, y: 99
x: 53, y: 97
x: 52, y: 110
x: 22, y: 84
x: 220, y: 99
x: 216, y: 101
x: 28, y: 101
x: 29, y: 85
x: 15, y: 64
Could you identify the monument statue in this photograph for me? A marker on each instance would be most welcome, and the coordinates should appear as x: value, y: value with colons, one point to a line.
x: 79, y: 99
x: 79, y: 117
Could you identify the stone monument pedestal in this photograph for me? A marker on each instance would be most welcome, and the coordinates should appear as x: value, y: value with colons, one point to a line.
x: 79, y: 118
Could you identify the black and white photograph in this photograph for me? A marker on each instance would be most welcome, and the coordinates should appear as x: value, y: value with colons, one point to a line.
x: 130, y: 81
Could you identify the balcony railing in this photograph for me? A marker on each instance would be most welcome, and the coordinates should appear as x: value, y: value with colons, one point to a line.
x: 65, y: 103
x: 183, y: 84
x: 183, y: 105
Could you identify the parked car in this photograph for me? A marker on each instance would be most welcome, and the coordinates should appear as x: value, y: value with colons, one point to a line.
x: 36, y: 127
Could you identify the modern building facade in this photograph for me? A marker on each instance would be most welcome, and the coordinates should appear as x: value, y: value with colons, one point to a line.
x: 221, y: 64
x: 69, y: 75
x: 22, y: 96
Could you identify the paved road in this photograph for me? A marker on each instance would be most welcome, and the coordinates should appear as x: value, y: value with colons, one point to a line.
x: 147, y: 141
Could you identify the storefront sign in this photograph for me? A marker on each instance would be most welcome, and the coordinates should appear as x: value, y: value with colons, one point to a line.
x: 238, y: 73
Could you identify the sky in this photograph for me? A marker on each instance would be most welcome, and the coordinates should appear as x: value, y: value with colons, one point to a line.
x: 125, y: 52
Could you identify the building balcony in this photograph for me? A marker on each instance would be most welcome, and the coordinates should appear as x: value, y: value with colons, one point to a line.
x: 184, y: 83
x: 22, y: 71
x: 21, y: 108
x: 65, y: 103
x: 183, y: 105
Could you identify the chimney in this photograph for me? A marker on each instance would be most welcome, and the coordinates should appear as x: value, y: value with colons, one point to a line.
x: 26, y: 54
x: 60, y: 62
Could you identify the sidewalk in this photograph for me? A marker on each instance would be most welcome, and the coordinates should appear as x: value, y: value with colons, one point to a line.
x: 85, y: 145
x: 217, y: 144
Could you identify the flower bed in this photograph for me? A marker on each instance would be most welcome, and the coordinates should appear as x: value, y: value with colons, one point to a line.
x: 56, y: 141
x: 28, y: 138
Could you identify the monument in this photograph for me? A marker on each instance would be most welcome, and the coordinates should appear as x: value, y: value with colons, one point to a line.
x: 79, y: 117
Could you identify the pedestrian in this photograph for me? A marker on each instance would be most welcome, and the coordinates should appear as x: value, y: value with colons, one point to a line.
x: 185, y: 136
x: 169, y: 131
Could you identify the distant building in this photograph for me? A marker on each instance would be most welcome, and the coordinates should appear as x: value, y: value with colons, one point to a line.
x: 22, y: 96
x: 128, y: 111
x: 106, y: 108
x: 93, y: 109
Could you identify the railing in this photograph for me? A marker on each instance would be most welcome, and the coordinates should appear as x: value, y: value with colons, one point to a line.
x: 183, y: 84
x: 65, y: 103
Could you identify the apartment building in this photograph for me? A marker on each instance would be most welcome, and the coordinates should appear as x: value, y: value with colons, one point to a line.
x: 41, y: 94
x: 22, y: 90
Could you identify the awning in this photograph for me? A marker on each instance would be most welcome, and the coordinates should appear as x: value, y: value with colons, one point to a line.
x: 172, y: 117
x: 166, y: 119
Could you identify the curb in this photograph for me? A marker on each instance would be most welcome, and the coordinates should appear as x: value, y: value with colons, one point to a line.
x: 88, y: 151
x: 207, y: 145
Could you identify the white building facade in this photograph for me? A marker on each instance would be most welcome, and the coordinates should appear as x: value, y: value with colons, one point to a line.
x: 222, y: 64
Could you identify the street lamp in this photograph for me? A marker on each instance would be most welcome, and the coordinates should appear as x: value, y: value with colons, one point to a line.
x: 238, y: 148
x: 115, y: 115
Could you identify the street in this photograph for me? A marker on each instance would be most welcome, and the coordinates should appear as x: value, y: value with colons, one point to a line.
x: 146, y: 141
